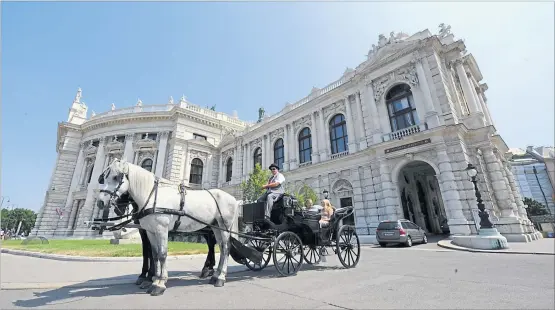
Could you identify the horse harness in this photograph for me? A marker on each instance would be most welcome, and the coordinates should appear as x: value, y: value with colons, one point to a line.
x: 136, y: 216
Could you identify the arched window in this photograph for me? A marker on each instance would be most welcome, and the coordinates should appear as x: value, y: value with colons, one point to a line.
x: 89, y: 172
x: 305, y: 146
x: 147, y: 164
x: 257, y: 157
x: 278, y: 153
x: 338, y: 134
x: 195, y: 176
x: 228, y: 169
x: 401, y: 108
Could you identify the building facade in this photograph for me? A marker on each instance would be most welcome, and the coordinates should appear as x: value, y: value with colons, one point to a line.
x: 391, y: 137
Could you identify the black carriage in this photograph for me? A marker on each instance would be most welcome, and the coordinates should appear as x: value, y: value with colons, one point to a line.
x: 297, y: 235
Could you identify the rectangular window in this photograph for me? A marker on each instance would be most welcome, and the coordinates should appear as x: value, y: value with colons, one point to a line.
x: 200, y: 137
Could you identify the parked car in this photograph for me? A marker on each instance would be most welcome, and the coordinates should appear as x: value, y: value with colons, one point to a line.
x: 400, y: 231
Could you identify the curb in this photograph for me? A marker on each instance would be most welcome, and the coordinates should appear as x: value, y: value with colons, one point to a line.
x: 448, y: 245
x: 93, y: 283
x: 67, y: 258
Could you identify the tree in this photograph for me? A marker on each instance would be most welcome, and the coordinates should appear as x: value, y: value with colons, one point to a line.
x: 11, y: 219
x: 252, y: 188
x: 534, y: 207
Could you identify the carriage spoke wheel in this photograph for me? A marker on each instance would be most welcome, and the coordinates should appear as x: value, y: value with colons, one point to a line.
x: 312, y: 254
x: 288, y: 253
x: 260, y: 246
x: 348, y: 246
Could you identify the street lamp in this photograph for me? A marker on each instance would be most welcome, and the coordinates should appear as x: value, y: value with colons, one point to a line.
x: 483, y: 214
x: 325, y: 192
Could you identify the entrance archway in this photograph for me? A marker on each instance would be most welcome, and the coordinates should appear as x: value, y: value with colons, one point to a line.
x: 420, y: 197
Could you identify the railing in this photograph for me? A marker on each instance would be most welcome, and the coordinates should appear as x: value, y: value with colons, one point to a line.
x: 307, y: 163
x: 337, y: 155
x: 400, y: 134
x: 168, y: 107
x: 313, y: 95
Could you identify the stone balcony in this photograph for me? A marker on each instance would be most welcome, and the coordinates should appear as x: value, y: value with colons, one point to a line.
x: 400, y: 134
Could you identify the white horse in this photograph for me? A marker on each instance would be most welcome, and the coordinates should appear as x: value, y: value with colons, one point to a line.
x: 214, y: 207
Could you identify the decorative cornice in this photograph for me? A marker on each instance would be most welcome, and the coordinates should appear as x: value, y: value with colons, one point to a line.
x: 255, y: 143
x: 198, y: 154
x: 302, y: 122
x: 278, y: 133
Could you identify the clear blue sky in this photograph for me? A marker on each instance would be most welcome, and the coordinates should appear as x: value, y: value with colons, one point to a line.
x: 239, y: 56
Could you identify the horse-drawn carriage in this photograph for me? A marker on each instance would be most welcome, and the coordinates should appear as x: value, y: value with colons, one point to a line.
x: 296, y: 236
x: 292, y: 236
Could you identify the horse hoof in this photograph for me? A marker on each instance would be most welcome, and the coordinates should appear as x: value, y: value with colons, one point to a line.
x: 140, y: 280
x: 219, y: 283
x: 157, y: 291
x: 145, y: 284
x: 213, y: 280
x: 205, y: 273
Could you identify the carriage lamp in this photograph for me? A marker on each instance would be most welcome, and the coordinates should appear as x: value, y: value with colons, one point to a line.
x: 483, y: 214
x: 325, y: 192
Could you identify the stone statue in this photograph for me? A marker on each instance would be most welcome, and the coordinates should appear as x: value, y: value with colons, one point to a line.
x: 392, y: 38
x: 382, y: 41
x: 93, y: 114
x: 78, y: 95
x: 444, y: 30
x: 139, y: 103
x: 113, y: 107
x: 260, y: 113
x: 171, y: 100
x: 213, y: 108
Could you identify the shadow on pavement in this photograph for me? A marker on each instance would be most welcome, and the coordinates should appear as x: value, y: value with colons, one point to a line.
x: 72, y: 293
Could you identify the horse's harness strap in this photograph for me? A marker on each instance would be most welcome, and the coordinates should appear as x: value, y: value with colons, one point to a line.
x: 182, y: 193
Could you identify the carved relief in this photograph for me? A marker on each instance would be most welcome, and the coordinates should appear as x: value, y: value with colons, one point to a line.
x: 227, y: 154
x: 302, y: 122
x: 336, y: 107
x: 114, y: 146
x: 278, y: 133
x: 256, y: 143
x: 90, y: 151
x: 198, y: 154
x: 342, y: 188
x: 144, y: 155
x: 405, y: 74
x: 145, y: 143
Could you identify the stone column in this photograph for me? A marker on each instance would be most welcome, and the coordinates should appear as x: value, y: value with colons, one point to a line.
x: 361, y: 133
x: 432, y: 118
x: 516, y: 194
x: 72, y: 214
x: 287, y: 146
x: 350, y: 128
x: 221, y: 175
x: 315, y: 144
x: 266, y: 158
x: 186, y: 165
x: 161, y: 158
x: 450, y: 193
x: 485, y: 108
x: 75, y: 179
x: 207, y: 177
x: 246, y: 161
x: 369, y: 99
x: 128, y: 149
x: 322, y: 136
x: 466, y: 86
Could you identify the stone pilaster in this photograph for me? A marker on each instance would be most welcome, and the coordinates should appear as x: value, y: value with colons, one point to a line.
x: 315, y: 142
x: 390, y: 208
x: 350, y: 126
x: 161, y: 158
x: 375, y: 125
x: 322, y: 136
x: 128, y: 148
x: 287, y: 146
x: 432, y: 118
x: 361, y: 132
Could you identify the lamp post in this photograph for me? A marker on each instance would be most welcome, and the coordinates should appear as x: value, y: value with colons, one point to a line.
x: 483, y: 214
x: 325, y: 192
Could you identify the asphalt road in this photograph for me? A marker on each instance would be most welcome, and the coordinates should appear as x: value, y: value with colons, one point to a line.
x: 421, y: 277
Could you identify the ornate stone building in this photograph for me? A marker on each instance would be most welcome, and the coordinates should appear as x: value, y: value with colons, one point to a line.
x: 391, y: 137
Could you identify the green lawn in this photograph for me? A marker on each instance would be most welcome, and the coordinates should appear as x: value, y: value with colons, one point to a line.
x: 101, y: 248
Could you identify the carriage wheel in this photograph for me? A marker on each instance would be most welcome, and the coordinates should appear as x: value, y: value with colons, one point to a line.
x: 288, y: 253
x: 312, y: 254
x: 260, y: 246
x: 348, y: 246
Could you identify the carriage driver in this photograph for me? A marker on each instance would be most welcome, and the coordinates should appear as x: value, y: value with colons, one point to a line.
x: 274, y: 189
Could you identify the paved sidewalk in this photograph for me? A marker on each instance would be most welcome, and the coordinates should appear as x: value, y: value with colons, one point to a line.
x: 25, y: 272
x: 545, y: 246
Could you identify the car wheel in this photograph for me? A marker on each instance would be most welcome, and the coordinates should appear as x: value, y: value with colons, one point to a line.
x: 425, y: 239
x: 383, y: 244
x: 409, y: 241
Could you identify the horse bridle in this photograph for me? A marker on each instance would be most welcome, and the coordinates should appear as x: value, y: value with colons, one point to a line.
x: 113, y: 194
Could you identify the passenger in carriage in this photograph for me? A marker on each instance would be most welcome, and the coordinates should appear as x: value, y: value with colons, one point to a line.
x: 274, y: 189
x: 327, y: 212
